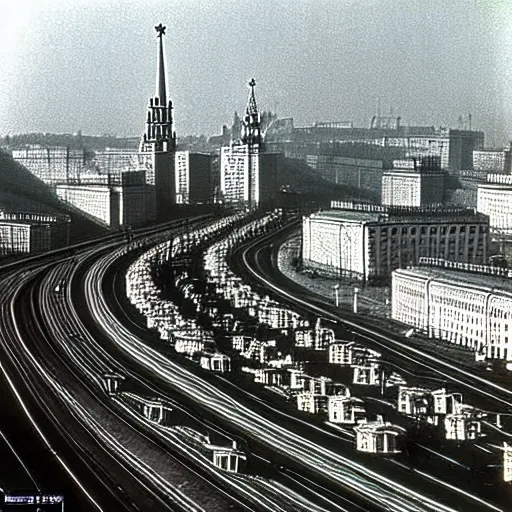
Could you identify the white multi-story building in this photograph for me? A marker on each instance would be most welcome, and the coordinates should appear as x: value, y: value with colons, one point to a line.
x: 492, y: 160
x: 113, y: 202
x: 420, y: 184
x: 468, y: 308
x: 369, y: 242
x: 494, y: 199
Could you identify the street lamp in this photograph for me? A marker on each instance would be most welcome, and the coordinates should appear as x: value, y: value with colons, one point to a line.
x: 336, y: 288
x: 356, y: 291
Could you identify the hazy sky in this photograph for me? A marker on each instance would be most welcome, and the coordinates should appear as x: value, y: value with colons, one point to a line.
x: 90, y: 64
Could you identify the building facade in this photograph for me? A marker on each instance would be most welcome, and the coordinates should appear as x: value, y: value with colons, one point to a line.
x: 248, y: 174
x: 493, y: 160
x: 471, y: 307
x: 31, y: 233
x: 369, y: 242
x: 415, y: 185
x: 193, y: 177
x: 494, y: 199
x: 51, y: 164
x: 361, y: 173
x: 113, y: 161
x: 114, y: 202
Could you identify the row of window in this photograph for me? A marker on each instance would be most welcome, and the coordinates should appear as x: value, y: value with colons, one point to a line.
x: 433, y: 230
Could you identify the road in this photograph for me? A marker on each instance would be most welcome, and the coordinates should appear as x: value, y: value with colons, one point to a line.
x: 257, y: 262
x: 71, y: 454
x: 379, y: 491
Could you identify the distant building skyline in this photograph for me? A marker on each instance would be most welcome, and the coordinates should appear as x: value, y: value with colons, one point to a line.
x: 431, y: 63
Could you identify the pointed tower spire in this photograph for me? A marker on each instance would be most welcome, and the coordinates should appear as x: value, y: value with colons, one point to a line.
x: 252, y: 108
x: 161, y: 77
x: 251, y: 129
x: 158, y: 144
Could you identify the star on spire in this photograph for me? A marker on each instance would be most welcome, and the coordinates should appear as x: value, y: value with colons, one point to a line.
x: 160, y: 29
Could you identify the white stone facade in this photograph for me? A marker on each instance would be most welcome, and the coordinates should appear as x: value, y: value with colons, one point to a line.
x: 460, y: 307
x: 495, y: 200
x: 239, y: 169
x: 402, y: 188
x: 371, y: 244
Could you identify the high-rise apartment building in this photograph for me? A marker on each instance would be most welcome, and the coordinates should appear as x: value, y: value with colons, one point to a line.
x: 158, y: 143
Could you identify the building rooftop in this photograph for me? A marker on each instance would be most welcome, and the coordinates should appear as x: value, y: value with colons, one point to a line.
x: 347, y: 215
x: 418, y: 173
x: 393, y: 215
x: 477, y: 281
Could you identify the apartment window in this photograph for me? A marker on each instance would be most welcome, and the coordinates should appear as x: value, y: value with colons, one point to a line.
x: 413, y: 231
x: 453, y: 229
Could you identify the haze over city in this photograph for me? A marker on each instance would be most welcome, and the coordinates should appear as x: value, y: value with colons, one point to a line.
x: 86, y: 65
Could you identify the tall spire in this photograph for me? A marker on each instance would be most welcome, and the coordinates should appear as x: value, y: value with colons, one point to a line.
x: 252, y: 108
x: 161, y: 77
x: 251, y: 130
